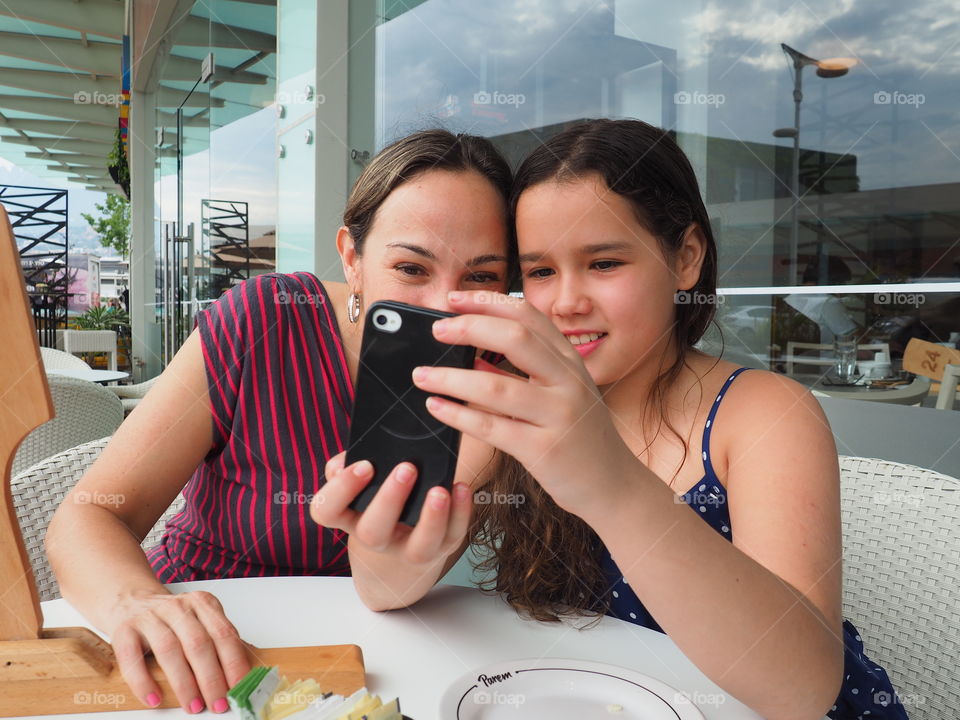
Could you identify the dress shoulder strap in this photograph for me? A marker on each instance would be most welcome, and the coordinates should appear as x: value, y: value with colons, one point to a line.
x: 708, y: 428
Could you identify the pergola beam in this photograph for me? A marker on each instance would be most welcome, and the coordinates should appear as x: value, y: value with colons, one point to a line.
x: 61, y: 108
x: 196, y: 31
x: 89, y: 174
x: 177, y: 67
x: 61, y: 128
x: 68, y: 157
x: 103, y: 58
x: 97, y: 58
x: 93, y: 91
x: 48, y: 143
x: 98, y: 17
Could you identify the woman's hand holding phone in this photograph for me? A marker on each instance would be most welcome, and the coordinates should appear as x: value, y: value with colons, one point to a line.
x: 441, y: 529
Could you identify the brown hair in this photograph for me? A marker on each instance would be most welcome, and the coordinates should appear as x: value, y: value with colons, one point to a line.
x: 413, y: 155
x: 546, y: 560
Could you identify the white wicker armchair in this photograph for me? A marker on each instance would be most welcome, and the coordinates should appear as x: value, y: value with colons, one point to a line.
x: 901, y: 553
x: 38, y: 492
x: 84, y: 411
x: 131, y: 395
x: 59, y: 360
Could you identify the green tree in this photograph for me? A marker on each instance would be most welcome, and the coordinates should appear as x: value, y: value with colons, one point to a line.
x: 113, y: 225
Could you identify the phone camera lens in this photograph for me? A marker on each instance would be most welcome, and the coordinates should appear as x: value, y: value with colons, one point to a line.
x: 381, y: 319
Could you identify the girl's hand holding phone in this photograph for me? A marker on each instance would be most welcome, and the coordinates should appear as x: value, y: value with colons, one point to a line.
x: 443, y: 523
x: 554, y: 421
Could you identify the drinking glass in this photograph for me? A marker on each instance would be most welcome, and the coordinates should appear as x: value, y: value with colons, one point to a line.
x: 845, y: 354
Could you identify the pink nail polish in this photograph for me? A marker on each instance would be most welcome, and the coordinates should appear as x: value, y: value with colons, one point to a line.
x: 153, y: 700
x: 220, y: 705
x: 196, y: 705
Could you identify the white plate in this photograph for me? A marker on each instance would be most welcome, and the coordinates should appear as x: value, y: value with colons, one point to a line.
x: 563, y: 690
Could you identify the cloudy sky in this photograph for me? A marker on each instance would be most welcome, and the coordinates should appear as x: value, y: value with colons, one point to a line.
x: 584, y: 58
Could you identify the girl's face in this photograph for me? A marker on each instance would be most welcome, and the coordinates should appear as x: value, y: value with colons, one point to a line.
x: 441, y: 231
x: 604, y: 281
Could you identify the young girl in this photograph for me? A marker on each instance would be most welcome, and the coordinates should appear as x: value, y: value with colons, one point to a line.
x: 662, y: 486
x: 251, y: 409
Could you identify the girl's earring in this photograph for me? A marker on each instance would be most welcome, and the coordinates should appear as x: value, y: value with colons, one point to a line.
x: 353, y: 307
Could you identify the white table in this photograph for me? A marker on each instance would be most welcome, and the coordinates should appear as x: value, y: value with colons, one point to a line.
x: 416, y: 653
x: 910, y: 394
x: 91, y: 375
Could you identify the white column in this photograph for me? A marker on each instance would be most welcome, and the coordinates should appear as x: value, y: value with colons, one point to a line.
x: 144, y: 328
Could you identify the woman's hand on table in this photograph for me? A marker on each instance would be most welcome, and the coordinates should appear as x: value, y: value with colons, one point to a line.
x: 441, y: 529
x: 554, y: 421
x: 198, y: 649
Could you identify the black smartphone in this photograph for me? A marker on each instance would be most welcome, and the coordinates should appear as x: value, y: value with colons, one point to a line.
x: 390, y: 423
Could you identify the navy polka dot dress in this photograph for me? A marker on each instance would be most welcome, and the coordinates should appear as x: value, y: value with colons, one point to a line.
x: 866, y: 693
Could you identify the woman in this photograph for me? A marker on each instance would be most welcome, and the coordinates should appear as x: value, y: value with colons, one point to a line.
x: 253, y: 405
x: 645, y: 497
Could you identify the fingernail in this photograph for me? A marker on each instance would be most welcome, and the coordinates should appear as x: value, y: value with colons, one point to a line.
x: 461, y: 491
x: 438, y: 500
x: 196, y: 705
x: 404, y: 474
x: 362, y: 468
x: 153, y: 699
x: 220, y: 705
x: 420, y: 373
x: 455, y: 295
x: 441, y: 326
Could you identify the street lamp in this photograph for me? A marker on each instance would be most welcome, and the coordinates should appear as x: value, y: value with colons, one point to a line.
x: 830, y: 68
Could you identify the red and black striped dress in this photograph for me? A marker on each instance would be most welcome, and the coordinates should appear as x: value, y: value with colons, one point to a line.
x: 280, y: 396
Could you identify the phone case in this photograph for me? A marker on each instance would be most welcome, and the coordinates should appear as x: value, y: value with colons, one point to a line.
x: 390, y: 423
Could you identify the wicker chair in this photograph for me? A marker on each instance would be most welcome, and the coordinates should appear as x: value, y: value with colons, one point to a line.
x: 38, y: 492
x: 901, y: 553
x: 131, y: 395
x: 84, y: 411
x: 58, y: 360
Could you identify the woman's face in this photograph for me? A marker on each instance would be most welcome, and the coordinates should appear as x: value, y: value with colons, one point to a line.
x: 603, y: 279
x: 441, y: 231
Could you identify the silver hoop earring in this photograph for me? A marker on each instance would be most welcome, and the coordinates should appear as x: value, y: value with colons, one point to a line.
x: 353, y: 307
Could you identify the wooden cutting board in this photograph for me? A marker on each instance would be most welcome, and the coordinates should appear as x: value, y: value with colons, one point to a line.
x: 45, y: 671
x: 72, y: 670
